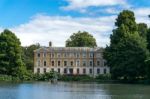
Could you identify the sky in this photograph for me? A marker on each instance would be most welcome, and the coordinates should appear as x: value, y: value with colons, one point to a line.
x: 41, y: 21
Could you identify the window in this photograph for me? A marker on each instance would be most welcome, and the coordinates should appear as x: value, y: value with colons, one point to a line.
x: 52, y: 63
x: 52, y: 69
x: 105, y: 71
x: 52, y: 55
x: 91, y: 55
x: 38, y: 54
x: 65, y: 63
x: 84, y: 63
x: 74, y: 54
x: 84, y: 55
x: 44, y: 63
x: 68, y: 54
x: 71, y: 63
x: 71, y: 55
x: 58, y: 70
x: 98, y: 71
x: 78, y: 55
x: 58, y: 63
x: 44, y: 70
x: 70, y: 71
x: 77, y: 63
x: 98, y: 63
x: 65, y: 55
x: 98, y: 55
x: 78, y: 71
x: 44, y: 55
x: 84, y: 71
x: 90, y: 71
x: 91, y: 63
x: 39, y: 63
x: 38, y: 70
x: 65, y: 70
x: 58, y: 55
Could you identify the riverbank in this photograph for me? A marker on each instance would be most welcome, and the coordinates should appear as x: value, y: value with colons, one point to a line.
x: 71, y: 78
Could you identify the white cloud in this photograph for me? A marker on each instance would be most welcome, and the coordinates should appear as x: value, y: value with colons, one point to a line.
x: 142, y: 11
x: 42, y: 29
x: 142, y: 15
x: 81, y: 4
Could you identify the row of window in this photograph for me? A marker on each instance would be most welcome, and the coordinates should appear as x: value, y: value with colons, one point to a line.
x: 64, y: 55
x: 70, y: 71
x: 72, y: 63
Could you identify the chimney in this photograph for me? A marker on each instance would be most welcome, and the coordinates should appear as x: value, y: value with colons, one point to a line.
x: 50, y: 44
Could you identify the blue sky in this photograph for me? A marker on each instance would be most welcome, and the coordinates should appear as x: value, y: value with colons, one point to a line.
x: 41, y: 21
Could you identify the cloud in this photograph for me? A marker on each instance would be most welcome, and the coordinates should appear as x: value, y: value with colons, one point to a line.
x: 42, y: 29
x: 142, y: 15
x: 82, y: 4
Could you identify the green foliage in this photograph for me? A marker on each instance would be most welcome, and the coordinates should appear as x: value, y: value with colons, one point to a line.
x: 148, y: 39
x: 45, y: 77
x: 81, y: 39
x: 148, y: 68
x: 28, y: 55
x: 127, y: 51
x: 103, y: 77
x: 5, y: 78
x: 83, y: 78
x: 10, y: 55
x: 142, y: 30
x: 126, y: 18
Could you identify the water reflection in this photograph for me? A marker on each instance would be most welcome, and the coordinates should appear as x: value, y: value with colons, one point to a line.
x: 64, y: 90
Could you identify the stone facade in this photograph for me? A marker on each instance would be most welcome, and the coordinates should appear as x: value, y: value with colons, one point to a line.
x: 70, y: 60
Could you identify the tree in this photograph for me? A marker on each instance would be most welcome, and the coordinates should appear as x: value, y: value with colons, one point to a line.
x: 10, y: 54
x: 81, y: 39
x: 127, y: 51
x: 143, y: 29
x: 28, y: 55
x: 148, y: 39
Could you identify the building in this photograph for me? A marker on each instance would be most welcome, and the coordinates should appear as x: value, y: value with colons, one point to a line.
x: 70, y: 60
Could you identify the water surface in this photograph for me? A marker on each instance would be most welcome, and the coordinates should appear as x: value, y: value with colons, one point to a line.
x: 67, y: 90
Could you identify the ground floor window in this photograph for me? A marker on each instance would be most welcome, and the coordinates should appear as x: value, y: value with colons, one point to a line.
x: 78, y: 71
x: 38, y: 70
x: 84, y: 71
x: 105, y: 71
x: 98, y: 71
x: 44, y: 63
x: 65, y: 70
x: 52, y: 63
x: 52, y: 69
x: 44, y: 70
x: 58, y: 70
x: 90, y: 71
x: 71, y: 71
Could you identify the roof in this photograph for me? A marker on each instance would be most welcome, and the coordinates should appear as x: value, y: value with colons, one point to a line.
x: 68, y: 49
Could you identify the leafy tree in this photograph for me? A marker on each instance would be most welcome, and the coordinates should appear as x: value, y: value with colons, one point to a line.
x: 148, y: 68
x: 148, y: 39
x: 10, y: 54
x: 143, y: 29
x: 127, y: 51
x: 81, y: 39
x: 28, y: 55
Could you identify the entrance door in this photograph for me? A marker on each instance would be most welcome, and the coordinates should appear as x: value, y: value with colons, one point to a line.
x: 71, y: 71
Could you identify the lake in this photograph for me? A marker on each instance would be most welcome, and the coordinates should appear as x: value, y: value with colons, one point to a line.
x: 74, y: 90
